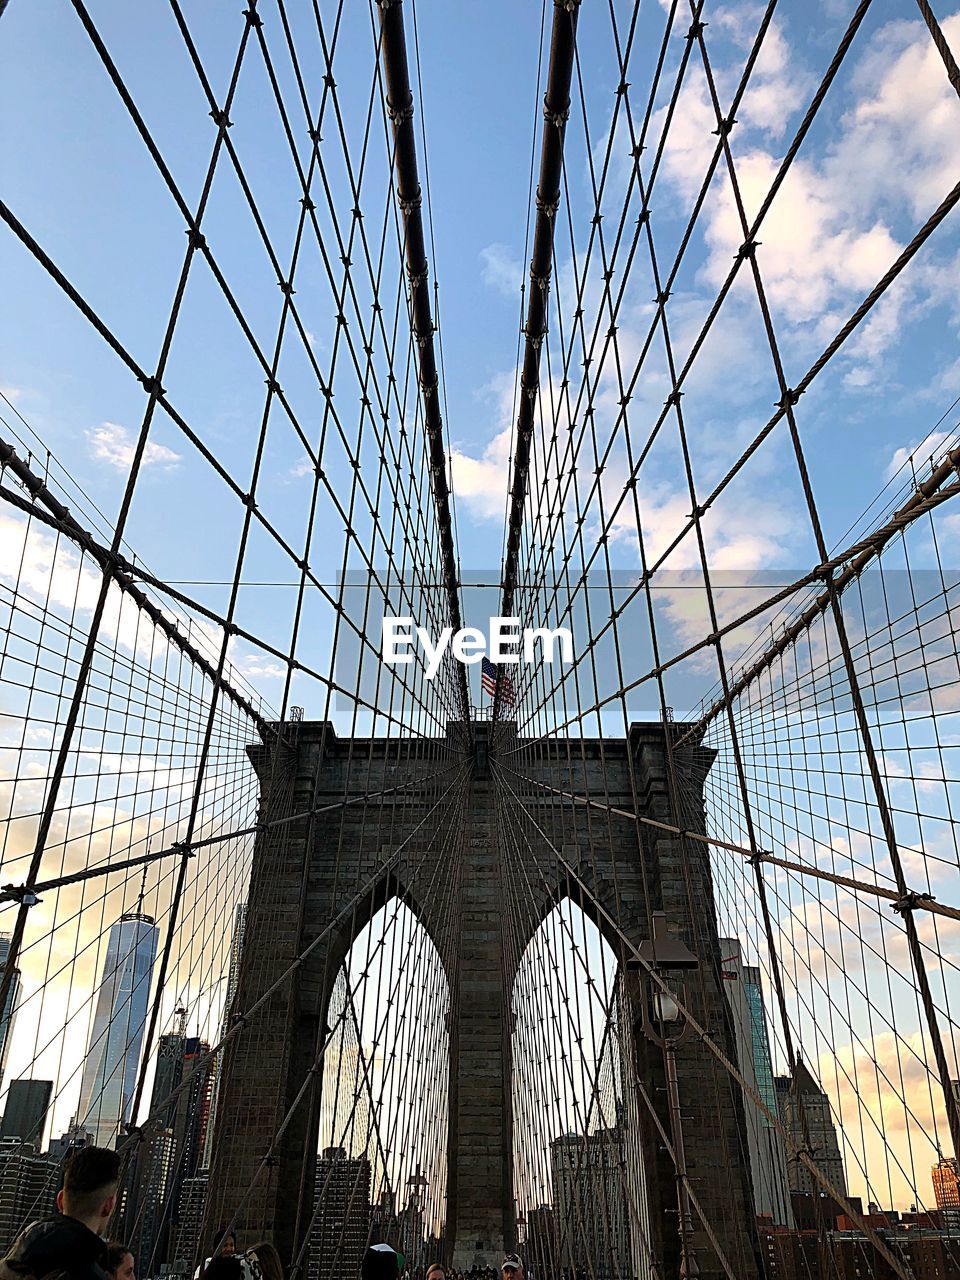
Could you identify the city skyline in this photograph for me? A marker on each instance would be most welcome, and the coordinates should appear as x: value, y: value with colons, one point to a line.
x: 172, y: 1174
x: 125, y: 1029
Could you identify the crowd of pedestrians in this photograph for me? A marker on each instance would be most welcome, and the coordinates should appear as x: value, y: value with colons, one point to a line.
x: 383, y: 1262
x: 510, y: 1269
x: 72, y: 1244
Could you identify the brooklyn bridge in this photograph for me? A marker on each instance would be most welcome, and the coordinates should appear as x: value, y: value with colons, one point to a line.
x: 631, y: 958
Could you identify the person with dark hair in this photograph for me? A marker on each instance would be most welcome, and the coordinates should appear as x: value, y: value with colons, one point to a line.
x: 381, y: 1262
x: 221, y: 1246
x: 120, y: 1262
x: 70, y: 1243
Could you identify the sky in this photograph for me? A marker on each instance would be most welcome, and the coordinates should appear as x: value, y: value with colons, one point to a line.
x: 881, y: 155
x: 875, y: 165
x: 876, y: 162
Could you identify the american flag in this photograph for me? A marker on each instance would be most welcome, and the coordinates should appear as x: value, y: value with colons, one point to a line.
x: 489, y: 676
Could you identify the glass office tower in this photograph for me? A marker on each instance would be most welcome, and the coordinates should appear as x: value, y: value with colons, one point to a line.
x: 116, y: 1039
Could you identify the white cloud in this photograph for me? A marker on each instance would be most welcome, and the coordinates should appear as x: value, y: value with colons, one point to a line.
x: 482, y: 482
x: 740, y: 538
x: 921, y: 450
x: 947, y: 383
x: 777, y: 87
x: 884, y: 1088
x: 901, y: 139
x: 256, y: 665
x: 47, y: 569
x: 808, y: 251
x: 112, y: 443
x: 841, y: 216
x: 823, y: 247
x: 502, y: 269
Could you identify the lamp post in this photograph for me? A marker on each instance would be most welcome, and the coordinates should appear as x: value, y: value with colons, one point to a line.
x: 663, y: 1023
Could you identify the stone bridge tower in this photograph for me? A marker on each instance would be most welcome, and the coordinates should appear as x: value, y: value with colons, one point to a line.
x: 305, y: 876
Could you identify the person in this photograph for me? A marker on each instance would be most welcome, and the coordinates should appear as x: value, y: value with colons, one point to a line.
x: 120, y: 1262
x: 436, y: 1271
x: 71, y: 1242
x: 265, y: 1256
x: 381, y: 1262
x: 511, y: 1268
x: 226, y: 1250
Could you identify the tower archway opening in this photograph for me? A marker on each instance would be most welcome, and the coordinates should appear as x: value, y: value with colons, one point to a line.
x: 579, y: 1179
x: 382, y: 1112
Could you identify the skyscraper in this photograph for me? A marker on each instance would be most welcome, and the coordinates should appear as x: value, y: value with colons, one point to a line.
x: 187, y: 1252
x: 147, y: 1224
x: 540, y: 1242
x: 589, y: 1204
x: 192, y: 1109
x: 341, y: 1223
x: 71, y: 1140
x: 116, y: 1039
x: 25, y: 1115
x: 28, y: 1184
x: 10, y: 1007
x: 168, y: 1075
x: 805, y: 1110
x: 170, y: 1160
x: 152, y: 1202
x: 946, y: 1188
x: 233, y: 977
x: 765, y: 1147
x: 411, y: 1233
